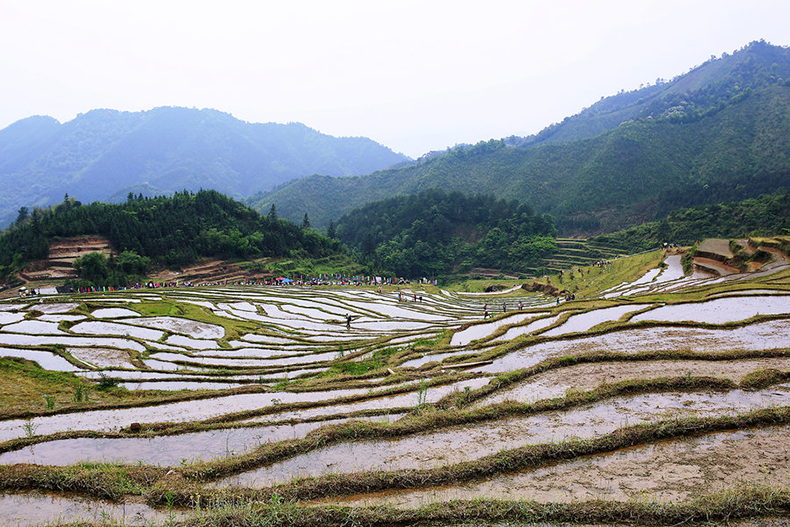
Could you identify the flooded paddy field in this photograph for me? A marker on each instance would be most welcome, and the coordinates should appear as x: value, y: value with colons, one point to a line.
x: 34, y: 508
x: 666, y: 471
x: 555, y: 383
x: 465, y: 443
x: 165, y: 450
x: 658, y: 390
x: 759, y: 336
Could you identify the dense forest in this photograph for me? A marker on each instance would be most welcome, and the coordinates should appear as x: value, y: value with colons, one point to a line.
x: 766, y: 215
x: 435, y: 233
x: 162, y: 231
x: 718, y: 133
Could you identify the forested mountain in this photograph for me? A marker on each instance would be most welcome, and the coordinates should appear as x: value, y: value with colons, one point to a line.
x: 105, y: 153
x: 702, y: 90
x: 720, y: 132
x: 170, y: 231
x: 435, y: 233
x: 766, y: 215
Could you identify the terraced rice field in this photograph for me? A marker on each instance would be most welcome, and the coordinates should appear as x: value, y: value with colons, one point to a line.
x: 665, y: 400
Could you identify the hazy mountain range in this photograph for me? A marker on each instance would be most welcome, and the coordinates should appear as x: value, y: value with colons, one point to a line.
x: 104, y: 154
x: 719, y: 132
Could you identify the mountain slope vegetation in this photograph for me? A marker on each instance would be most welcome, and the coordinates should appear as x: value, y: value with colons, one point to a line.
x: 766, y: 215
x: 103, y: 154
x: 718, y: 133
x: 167, y: 231
x: 702, y: 90
x: 435, y: 233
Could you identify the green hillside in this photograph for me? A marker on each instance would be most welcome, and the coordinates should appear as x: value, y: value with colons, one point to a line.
x: 434, y: 233
x: 163, y: 231
x: 766, y: 215
x: 721, y: 132
x: 693, y: 94
x: 576, y: 252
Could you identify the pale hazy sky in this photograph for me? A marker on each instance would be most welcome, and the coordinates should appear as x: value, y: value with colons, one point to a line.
x: 413, y: 75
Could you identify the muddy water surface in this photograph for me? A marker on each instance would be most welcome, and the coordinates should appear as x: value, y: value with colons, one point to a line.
x: 665, y: 471
x: 165, y: 450
x: 183, y: 385
x: 7, y: 317
x: 114, y: 312
x: 479, y: 331
x: 34, y: 327
x: 114, y: 328
x: 54, y: 308
x: 198, y: 330
x: 173, y: 412
x: 404, y: 400
x: 774, y: 334
x: 102, y: 357
x: 45, y: 359
x: 35, y: 508
x: 532, y: 327
x: 43, y: 340
x: 588, y: 376
x: 435, y: 357
x: 719, y: 311
x: 464, y: 443
x: 585, y: 321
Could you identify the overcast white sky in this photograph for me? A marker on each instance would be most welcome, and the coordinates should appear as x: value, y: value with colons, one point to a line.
x: 413, y: 75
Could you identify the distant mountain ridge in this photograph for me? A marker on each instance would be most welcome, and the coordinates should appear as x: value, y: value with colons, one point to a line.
x: 720, y: 132
x: 703, y: 89
x: 104, y: 154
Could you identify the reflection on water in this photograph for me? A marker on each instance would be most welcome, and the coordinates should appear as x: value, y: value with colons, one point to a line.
x: 479, y: 331
x: 719, y: 311
x: 774, y: 334
x: 585, y: 321
x: 164, y: 450
x: 464, y: 443
x: 45, y: 359
x: 170, y: 412
x: 671, y: 471
x: 114, y: 312
x: 35, y: 508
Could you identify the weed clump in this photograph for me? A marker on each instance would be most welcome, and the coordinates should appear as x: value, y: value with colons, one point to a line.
x: 80, y: 392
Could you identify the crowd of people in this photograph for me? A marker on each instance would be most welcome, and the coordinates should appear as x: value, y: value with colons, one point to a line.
x: 322, y: 280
